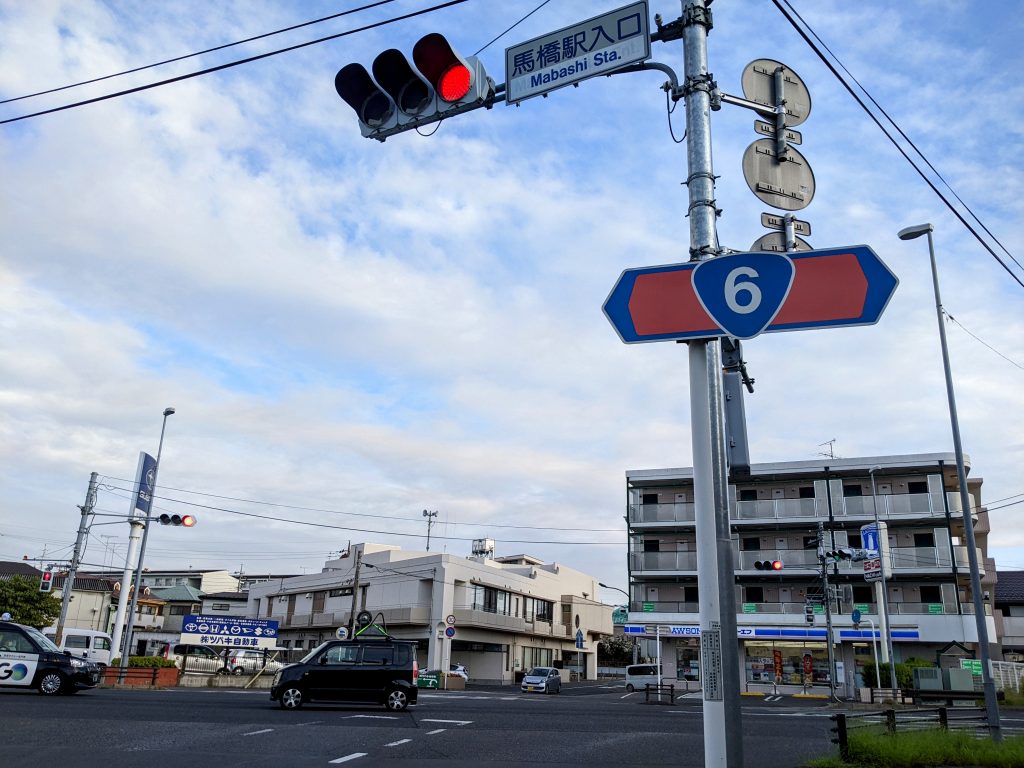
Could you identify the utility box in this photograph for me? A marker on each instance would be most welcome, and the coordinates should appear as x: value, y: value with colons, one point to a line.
x: 928, y: 678
x: 958, y: 679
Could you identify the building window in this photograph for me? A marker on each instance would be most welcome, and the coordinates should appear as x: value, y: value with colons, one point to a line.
x: 853, y: 540
x: 221, y: 607
x: 852, y: 490
x: 177, y: 610
x: 917, y: 487
x: 690, y: 594
x: 863, y: 594
x: 924, y: 539
x: 343, y: 592
x: 806, y: 491
x: 652, y: 545
x: 748, y: 494
x: 810, y: 542
x: 649, y: 498
x: 754, y: 594
x: 931, y: 594
x: 750, y: 543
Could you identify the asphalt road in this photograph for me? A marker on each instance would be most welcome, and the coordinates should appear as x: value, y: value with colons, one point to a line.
x: 589, y: 724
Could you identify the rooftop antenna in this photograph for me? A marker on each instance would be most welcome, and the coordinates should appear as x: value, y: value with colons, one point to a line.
x: 831, y: 449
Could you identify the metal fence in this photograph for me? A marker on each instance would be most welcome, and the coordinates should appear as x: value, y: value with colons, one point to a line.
x: 1008, y: 676
x: 891, y: 721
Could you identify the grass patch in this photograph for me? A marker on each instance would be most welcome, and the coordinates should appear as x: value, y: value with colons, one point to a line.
x: 927, y: 749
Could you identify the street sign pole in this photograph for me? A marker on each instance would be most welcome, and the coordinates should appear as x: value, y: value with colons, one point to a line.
x: 718, y: 649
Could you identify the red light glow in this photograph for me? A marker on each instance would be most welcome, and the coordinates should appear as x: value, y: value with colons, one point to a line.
x: 188, y: 521
x: 454, y: 83
x: 776, y: 565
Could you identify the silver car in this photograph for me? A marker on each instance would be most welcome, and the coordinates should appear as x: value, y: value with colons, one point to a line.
x: 542, y: 680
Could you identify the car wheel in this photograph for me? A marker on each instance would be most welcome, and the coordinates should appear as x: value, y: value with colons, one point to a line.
x: 397, y: 700
x: 630, y: 688
x: 236, y: 671
x: 291, y: 698
x: 52, y: 683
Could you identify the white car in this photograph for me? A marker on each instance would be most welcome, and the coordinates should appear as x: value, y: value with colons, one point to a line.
x: 249, y: 661
x: 459, y: 670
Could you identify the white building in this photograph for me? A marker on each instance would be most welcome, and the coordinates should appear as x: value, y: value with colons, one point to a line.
x: 496, y: 615
x: 775, y: 514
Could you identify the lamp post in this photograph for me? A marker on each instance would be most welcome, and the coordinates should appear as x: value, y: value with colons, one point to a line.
x: 883, y: 588
x: 874, y: 650
x: 991, y: 706
x: 617, y: 589
x: 142, y: 554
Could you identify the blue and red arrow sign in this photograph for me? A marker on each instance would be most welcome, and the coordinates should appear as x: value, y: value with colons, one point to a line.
x: 745, y: 294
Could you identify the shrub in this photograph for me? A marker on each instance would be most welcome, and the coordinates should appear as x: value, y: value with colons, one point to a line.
x: 147, y: 662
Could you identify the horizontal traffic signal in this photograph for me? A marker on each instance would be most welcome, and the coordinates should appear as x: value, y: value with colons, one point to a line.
x: 46, y: 582
x: 835, y: 555
x: 401, y: 95
x: 768, y: 565
x: 186, y: 520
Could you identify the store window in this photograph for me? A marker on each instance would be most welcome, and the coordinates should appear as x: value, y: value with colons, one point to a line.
x: 786, y: 663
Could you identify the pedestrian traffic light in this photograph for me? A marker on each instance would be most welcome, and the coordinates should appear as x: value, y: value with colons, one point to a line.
x: 768, y: 565
x: 46, y: 582
x: 398, y: 97
x: 186, y: 520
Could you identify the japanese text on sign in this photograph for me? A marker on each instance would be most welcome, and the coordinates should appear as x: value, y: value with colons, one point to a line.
x: 229, y: 631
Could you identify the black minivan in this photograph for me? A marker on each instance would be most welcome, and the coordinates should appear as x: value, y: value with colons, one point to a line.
x: 380, y: 671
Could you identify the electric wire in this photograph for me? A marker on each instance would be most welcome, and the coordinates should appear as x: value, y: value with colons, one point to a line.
x: 359, y: 514
x: 230, y: 64
x: 496, y: 39
x: 900, y: 149
x: 980, y: 341
x: 198, y: 53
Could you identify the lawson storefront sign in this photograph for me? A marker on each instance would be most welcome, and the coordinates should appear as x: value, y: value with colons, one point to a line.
x: 743, y: 633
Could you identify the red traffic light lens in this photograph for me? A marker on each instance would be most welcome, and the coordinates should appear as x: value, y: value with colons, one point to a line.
x: 454, y: 83
x: 188, y: 521
x: 776, y: 565
x: 47, y: 576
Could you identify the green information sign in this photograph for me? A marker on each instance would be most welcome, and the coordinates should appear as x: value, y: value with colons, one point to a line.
x: 972, y: 664
x: 862, y: 607
x: 648, y: 607
x: 750, y: 607
x: 936, y: 608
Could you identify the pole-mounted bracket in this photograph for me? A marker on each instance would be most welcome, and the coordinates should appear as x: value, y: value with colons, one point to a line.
x: 704, y: 83
x: 697, y: 14
x: 667, y: 32
x: 709, y: 203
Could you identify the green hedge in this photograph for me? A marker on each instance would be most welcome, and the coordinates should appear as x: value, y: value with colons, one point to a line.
x: 904, y: 673
x: 148, y: 662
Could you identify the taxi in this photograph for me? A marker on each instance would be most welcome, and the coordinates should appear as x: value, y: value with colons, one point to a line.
x: 29, y: 660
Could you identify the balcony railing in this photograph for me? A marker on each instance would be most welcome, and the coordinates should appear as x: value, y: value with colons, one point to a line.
x: 889, y: 506
x: 663, y: 561
x: 797, y: 609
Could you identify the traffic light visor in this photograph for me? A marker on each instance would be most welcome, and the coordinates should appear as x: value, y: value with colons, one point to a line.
x: 354, y: 84
x: 395, y: 75
x: 448, y: 72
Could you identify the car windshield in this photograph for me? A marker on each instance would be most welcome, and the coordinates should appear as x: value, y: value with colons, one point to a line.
x: 539, y: 672
x: 309, y: 656
x: 42, y: 640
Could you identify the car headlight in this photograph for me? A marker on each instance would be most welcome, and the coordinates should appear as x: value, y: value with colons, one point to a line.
x: 77, y: 664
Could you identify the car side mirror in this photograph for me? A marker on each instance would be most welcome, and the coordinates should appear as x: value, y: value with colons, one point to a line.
x: 323, y: 660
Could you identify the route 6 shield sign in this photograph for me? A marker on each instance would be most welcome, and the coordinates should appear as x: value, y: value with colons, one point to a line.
x: 743, y: 292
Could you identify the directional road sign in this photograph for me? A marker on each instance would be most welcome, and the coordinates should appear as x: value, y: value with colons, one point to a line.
x: 745, y: 294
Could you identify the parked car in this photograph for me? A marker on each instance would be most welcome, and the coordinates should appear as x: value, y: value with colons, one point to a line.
x: 28, y: 659
x: 459, y: 670
x: 542, y: 680
x: 639, y: 675
x: 381, y: 671
x: 87, y: 644
x: 249, y: 661
x: 195, y: 658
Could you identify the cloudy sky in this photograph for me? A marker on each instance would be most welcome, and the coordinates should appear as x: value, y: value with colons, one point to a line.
x: 353, y: 332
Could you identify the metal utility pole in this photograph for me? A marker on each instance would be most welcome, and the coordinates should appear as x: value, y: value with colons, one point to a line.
x: 828, y: 611
x: 69, y: 580
x: 355, y: 593
x: 882, y: 586
x: 710, y: 479
x: 431, y: 516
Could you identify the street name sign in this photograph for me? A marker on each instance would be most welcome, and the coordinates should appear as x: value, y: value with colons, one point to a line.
x: 590, y: 48
x: 231, y: 631
x: 745, y: 294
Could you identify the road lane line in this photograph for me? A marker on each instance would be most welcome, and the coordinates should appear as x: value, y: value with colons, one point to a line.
x: 253, y: 733
x: 456, y: 722
x: 311, y: 722
x: 396, y: 743
x: 436, y: 730
x: 346, y: 758
x: 372, y: 717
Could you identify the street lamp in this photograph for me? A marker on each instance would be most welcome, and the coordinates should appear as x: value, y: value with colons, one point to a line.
x: 991, y: 707
x: 883, y: 588
x: 142, y: 554
x: 874, y: 649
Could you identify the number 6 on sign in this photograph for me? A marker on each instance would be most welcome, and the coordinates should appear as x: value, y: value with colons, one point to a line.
x: 744, y: 291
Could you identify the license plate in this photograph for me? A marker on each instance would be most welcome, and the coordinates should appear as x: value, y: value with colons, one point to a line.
x: 529, y: 687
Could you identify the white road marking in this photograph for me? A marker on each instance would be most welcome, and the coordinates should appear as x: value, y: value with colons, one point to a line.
x: 436, y: 730
x: 346, y: 758
x: 372, y: 717
x: 253, y: 733
x: 311, y: 722
x: 454, y: 722
x: 396, y: 743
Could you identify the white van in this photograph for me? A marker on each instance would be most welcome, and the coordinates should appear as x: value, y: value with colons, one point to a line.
x: 639, y: 675
x: 84, y: 643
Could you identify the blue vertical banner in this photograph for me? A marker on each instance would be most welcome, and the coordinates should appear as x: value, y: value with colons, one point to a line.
x: 145, y: 482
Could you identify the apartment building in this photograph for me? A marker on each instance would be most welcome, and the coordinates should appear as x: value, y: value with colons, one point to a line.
x: 774, y: 517
x: 497, y: 615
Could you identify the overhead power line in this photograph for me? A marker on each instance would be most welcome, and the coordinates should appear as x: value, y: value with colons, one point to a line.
x: 814, y: 47
x: 231, y: 64
x: 198, y: 53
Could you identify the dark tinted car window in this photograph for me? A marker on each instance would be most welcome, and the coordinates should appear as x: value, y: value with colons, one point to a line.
x: 15, y: 641
x: 342, y: 654
x: 76, y: 641
x: 378, y: 656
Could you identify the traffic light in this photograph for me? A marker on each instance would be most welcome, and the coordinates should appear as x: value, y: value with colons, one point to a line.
x: 398, y: 97
x: 768, y: 565
x: 186, y: 520
x: 809, y: 613
x: 835, y: 555
x: 46, y: 582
